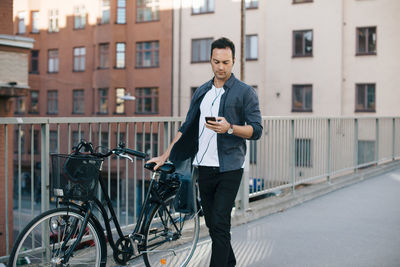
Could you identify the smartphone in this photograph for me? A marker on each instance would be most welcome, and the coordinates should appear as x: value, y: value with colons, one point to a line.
x: 210, y: 119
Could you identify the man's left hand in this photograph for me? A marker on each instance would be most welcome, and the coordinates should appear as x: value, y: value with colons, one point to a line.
x: 220, y: 126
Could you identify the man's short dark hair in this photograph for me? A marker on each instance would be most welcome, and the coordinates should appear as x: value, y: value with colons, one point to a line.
x: 223, y: 43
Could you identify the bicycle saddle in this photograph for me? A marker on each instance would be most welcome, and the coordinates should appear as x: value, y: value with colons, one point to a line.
x: 168, y: 167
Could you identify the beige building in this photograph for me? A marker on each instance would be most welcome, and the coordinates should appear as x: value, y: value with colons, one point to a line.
x: 305, y: 57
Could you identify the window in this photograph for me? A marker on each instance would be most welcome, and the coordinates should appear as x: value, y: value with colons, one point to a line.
x: 79, y: 17
x: 105, y: 11
x: 103, y: 100
x: 202, y: 6
x: 201, y: 50
x: 53, y: 60
x: 147, y: 54
x: 53, y: 20
x: 251, y: 4
x: 147, y: 10
x: 34, y: 66
x: 52, y: 102
x: 146, y: 100
x: 119, y: 103
x: 35, y: 21
x: 365, y: 98
x: 53, y: 142
x: 303, y: 152
x: 251, y: 47
x: 366, y: 41
x: 34, y: 108
x: 103, y: 56
x: 19, y: 105
x: 79, y: 58
x: 302, y: 98
x: 121, y: 11
x: 302, y: 43
x: 78, y: 101
x: 120, y: 56
x: 301, y: 1
x: 149, y: 143
x: 21, y: 22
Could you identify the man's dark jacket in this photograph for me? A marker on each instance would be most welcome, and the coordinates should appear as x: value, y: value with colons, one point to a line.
x: 239, y: 105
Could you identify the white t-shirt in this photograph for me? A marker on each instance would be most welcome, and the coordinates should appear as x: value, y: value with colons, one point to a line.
x: 208, y: 150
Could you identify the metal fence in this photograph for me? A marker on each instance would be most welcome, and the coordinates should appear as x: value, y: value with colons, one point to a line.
x: 292, y: 151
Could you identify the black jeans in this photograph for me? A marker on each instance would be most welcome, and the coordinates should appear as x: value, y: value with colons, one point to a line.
x: 218, y: 192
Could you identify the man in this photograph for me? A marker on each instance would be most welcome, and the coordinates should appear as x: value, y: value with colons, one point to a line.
x: 218, y: 147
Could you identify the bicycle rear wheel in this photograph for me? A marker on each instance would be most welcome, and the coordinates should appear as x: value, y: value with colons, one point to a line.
x: 164, y: 244
x: 48, y: 237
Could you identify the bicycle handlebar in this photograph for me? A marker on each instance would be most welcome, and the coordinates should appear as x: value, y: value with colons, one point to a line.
x: 120, y: 150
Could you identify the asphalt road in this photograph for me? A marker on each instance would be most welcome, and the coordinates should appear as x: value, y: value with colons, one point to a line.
x: 355, y: 226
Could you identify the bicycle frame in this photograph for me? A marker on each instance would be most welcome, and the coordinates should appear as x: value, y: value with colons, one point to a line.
x: 135, y: 236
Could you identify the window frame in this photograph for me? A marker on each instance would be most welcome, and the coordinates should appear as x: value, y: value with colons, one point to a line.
x: 367, y: 52
x: 117, y: 14
x: 155, y: 14
x: 248, y: 36
x: 53, y: 20
x: 34, y: 59
x: 31, y: 109
x: 140, y: 105
x: 105, y: 10
x: 78, y: 101
x: 304, y: 53
x: 208, y: 49
x: 304, y: 87
x: 35, y: 29
x: 104, y: 56
x: 155, y: 54
x: 52, y: 100
x: 103, y: 100
x: 119, y: 101
x: 21, y: 26
x: 80, y: 57
x: 118, y: 54
x: 207, y: 10
x: 365, y: 104
x: 53, y: 60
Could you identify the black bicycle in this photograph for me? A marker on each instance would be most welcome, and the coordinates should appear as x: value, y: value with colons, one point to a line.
x: 72, y: 235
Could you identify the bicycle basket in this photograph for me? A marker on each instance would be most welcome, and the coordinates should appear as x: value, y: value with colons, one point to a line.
x: 74, y: 176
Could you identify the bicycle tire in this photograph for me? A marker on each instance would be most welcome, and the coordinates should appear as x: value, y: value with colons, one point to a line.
x: 175, y: 249
x: 33, y: 249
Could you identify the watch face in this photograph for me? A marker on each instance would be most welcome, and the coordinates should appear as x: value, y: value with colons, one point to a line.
x: 230, y: 131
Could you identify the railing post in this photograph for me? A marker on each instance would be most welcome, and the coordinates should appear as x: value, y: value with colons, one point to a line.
x: 45, y: 150
x: 394, y: 139
x: 355, y: 144
x: 329, y: 150
x: 6, y: 186
x: 377, y: 141
x: 244, y: 186
x: 293, y: 155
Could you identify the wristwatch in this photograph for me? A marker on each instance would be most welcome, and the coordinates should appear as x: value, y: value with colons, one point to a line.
x: 230, y: 130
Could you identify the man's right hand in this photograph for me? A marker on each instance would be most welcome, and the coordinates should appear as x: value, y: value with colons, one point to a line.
x: 160, y: 160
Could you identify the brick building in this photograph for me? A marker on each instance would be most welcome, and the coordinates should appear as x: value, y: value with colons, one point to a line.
x: 14, y: 52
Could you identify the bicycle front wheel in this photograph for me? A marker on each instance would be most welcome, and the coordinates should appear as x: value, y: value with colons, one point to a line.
x: 47, y: 239
x: 170, y: 237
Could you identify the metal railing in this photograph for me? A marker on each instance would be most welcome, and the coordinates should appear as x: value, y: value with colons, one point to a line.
x: 292, y: 151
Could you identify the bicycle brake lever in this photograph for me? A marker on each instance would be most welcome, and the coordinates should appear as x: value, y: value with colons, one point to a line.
x: 126, y: 156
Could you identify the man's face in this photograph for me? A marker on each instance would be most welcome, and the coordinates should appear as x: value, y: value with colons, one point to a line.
x: 222, y: 63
